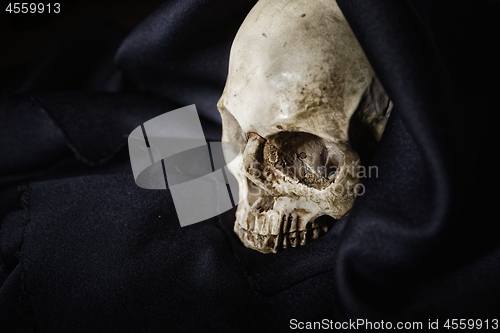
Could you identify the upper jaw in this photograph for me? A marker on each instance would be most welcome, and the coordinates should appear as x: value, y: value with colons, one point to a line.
x: 280, y: 227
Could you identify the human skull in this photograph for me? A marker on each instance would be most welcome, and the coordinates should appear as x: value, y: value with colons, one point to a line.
x: 300, y: 102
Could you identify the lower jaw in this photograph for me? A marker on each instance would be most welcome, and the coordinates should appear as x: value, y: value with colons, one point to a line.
x: 275, y: 243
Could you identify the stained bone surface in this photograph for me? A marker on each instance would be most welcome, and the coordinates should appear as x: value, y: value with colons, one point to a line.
x: 301, y: 103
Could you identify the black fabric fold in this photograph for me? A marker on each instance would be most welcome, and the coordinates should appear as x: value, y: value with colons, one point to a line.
x: 181, y: 51
x: 96, y: 124
x: 408, y: 52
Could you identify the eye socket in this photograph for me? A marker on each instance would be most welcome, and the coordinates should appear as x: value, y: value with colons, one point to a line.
x: 305, y: 157
x: 367, y: 124
x: 388, y: 110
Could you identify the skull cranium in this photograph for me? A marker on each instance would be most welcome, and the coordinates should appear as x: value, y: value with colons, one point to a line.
x: 298, y: 80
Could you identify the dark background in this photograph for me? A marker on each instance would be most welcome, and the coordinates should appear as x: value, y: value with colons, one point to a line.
x: 26, y: 37
x: 83, y: 249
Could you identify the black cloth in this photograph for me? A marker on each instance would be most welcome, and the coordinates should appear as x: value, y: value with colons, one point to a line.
x: 83, y: 249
